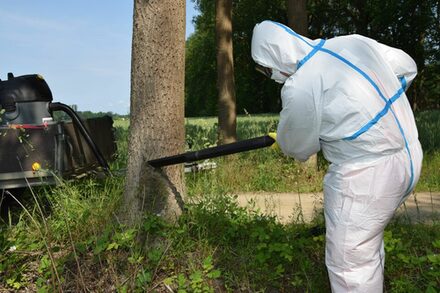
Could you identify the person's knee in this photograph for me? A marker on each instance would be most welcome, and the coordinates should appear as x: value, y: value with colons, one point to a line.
x: 346, y: 252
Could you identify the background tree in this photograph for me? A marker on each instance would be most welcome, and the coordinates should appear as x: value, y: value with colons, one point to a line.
x: 297, y: 16
x: 200, y: 66
x: 157, y: 116
x: 411, y: 25
x: 255, y: 94
x: 227, y: 116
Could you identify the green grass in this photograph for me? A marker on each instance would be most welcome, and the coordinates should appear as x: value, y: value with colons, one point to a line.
x: 216, y: 246
x: 261, y: 170
x: 69, y: 237
x: 266, y: 170
x: 430, y: 175
x: 428, y: 124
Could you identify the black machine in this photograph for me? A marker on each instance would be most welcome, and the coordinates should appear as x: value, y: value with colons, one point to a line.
x: 34, y: 148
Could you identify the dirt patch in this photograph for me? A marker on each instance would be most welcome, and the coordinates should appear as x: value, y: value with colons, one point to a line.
x: 419, y: 207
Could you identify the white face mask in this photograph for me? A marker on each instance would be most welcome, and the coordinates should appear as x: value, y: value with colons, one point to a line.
x: 278, y: 76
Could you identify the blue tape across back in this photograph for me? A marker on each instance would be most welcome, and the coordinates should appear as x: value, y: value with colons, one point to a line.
x: 403, y: 82
x: 388, y: 102
x: 310, y: 55
x: 379, y: 115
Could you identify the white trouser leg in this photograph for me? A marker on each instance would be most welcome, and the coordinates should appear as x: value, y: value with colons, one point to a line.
x: 354, y: 258
x: 359, y: 202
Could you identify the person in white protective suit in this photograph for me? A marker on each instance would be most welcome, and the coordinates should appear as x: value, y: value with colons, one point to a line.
x: 346, y: 96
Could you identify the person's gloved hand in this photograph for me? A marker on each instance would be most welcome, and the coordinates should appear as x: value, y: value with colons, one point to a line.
x: 275, y: 145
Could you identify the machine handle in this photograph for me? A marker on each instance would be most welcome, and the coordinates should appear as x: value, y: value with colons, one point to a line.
x: 221, y: 150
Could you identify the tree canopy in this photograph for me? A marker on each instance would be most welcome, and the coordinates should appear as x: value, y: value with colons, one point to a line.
x: 411, y: 25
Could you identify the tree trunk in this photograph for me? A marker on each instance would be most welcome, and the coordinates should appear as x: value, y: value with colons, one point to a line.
x: 227, y: 120
x: 157, y: 110
x: 297, y: 16
x: 298, y: 21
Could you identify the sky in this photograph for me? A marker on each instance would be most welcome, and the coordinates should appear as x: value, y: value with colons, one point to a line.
x: 82, y: 48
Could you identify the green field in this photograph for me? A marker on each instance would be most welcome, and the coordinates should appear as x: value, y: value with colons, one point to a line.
x: 268, y: 170
x: 67, y: 238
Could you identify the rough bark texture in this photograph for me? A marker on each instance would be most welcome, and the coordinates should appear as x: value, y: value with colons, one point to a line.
x: 297, y: 16
x: 157, y: 109
x: 225, y: 73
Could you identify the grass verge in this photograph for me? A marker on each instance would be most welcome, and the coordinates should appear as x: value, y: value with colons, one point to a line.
x: 216, y: 246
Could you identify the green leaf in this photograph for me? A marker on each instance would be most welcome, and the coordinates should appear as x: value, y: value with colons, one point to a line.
x: 12, y: 282
x: 214, y: 274
x: 42, y: 290
x: 181, y: 281
x: 155, y: 255
x: 196, y: 277
x: 101, y: 245
x: 123, y: 289
x: 143, y: 278
x: 207, y: 263
x: 135, y: 259
x: 430, y: 289
x: 44, y: 264
x: 169, y: 281
x: 81, y: 247
x: 434, y: 258
x: 112, y: 246
x: 404, y: 258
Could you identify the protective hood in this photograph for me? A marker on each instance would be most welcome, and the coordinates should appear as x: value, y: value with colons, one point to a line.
x: 276, y: 46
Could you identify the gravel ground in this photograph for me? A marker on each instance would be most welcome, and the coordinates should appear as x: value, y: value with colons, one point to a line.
x: 419, y: 207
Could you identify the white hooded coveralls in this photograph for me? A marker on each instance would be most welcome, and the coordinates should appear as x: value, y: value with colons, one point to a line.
x: 346, y: 96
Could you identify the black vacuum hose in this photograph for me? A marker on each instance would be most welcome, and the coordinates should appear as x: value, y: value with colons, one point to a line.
x: 221, y: 150
x: 78, y: 123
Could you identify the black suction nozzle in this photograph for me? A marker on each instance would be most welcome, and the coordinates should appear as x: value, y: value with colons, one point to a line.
x: 221, y: 150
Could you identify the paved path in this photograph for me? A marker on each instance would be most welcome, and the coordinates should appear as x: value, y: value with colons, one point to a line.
x: 419, y: 207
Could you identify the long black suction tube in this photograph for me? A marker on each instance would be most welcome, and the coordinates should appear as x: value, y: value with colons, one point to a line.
x: 77, y: 121
x: 221, y: 150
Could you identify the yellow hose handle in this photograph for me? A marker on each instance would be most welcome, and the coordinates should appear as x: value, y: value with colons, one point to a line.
x: 275, y: 146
